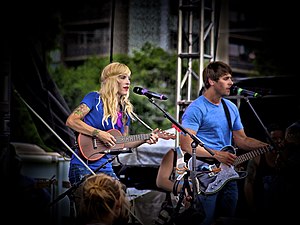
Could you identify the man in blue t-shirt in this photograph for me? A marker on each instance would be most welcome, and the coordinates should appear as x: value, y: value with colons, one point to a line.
x: 206, y: 118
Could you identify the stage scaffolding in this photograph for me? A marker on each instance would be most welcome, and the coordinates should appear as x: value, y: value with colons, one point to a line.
x: 197, y: 32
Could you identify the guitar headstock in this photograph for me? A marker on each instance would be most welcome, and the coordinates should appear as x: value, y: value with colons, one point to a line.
x: 166, y: 135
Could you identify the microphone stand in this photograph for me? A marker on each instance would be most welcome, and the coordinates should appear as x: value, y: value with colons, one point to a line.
x: 264, y: 127
x: 196, y: 141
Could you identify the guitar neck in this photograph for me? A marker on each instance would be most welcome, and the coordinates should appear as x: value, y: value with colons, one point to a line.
x: 249, y: 155
x: 132, y: 138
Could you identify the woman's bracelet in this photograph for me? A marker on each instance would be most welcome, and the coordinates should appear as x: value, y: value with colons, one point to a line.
x: 95, y: 132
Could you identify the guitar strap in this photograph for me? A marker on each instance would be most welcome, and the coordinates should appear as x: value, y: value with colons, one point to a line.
x: 227, y: 113
x: 141, y: 121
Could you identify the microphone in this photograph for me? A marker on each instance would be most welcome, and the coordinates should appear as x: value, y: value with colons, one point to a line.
x: 149, y: 94
x: 240, y: 91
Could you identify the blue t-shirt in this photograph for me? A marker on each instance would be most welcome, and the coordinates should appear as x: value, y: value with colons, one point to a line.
x: 94, y: 118
x: 210, y: 122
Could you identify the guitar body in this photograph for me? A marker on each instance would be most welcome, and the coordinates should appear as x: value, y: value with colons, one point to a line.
x: 212, y: 177
x: 92, y: 148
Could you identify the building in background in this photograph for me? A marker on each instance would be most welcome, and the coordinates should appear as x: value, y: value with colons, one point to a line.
x: 120, y: 26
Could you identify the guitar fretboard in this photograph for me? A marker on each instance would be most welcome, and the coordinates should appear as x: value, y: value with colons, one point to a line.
x: 132, y: 138
x: 249, y: 155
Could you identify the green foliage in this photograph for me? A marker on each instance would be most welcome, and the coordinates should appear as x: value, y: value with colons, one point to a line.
x: 74, y: 83
x: 152, y: 68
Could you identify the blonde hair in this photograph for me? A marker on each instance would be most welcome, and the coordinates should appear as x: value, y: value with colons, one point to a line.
x: 101, y: 196
x: 109, y: 91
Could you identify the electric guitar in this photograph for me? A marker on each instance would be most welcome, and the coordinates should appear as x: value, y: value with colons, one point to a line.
x: 91, y: 148
x: 213, y: 176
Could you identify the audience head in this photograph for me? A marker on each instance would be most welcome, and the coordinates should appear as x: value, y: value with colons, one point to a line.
x: 277, y: 133
x: 103, y: 201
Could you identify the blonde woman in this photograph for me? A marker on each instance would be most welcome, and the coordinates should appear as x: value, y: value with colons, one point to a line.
x: 102, y: 121
x: 97, y: 114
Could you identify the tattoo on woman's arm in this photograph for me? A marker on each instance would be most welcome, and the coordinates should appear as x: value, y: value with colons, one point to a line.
x: 81, y: 110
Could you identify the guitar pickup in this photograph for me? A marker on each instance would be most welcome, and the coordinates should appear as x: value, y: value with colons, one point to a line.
x: 212, y: 168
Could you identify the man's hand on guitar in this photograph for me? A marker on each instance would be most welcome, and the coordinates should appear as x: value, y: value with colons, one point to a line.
x: 225, y: 157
